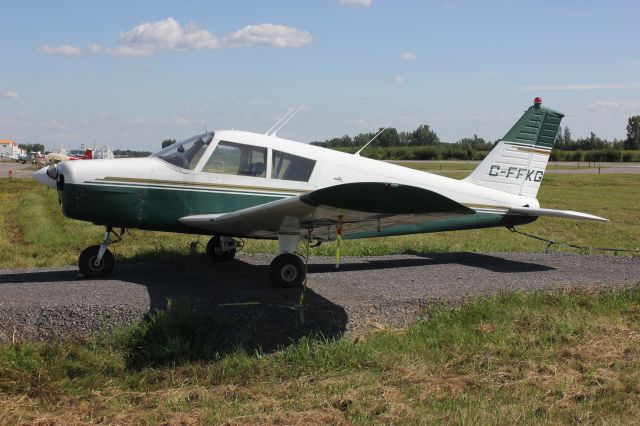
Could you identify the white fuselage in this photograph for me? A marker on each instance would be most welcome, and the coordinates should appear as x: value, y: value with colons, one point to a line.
x: 332, y: 168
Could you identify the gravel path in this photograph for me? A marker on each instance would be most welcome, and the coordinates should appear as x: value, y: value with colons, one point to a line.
x: 364, y: 292
x: 19, y: 170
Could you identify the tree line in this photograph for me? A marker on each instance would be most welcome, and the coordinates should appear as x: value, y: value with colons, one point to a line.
x: 127, y: 153
x: 424, y: 144
x: 31, y: 147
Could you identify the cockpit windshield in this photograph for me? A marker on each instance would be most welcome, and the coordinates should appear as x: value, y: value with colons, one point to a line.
x: 187, y: 153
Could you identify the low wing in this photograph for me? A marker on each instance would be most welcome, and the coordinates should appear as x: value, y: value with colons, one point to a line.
x: 566, y: 214
x: 356, y: 206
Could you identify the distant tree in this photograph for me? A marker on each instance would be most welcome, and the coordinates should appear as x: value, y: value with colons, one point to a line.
x: 167, y: 142
x: 31, y: 147
x: 590, y: 143
x: 360, y: 140
x: 130, y: 154
x: 559, y: 142
x: 474, y: 144
x: 389, y: 137
x: 633, y: 133
x: 567, y: 143
x: 474, y: 141
x: 423, y: 135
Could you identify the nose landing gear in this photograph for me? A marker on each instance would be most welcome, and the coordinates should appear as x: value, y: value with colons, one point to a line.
x: 97, y: 261
x: 222, y: 249
x: 287, y: 270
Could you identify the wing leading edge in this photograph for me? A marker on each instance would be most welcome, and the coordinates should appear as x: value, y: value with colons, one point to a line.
x: 362, y: 206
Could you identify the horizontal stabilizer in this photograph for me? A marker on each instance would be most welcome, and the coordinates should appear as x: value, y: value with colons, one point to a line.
x: 566, y: 214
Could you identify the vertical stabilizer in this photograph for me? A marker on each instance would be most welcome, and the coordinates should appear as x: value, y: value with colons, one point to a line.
x: 517, y: 163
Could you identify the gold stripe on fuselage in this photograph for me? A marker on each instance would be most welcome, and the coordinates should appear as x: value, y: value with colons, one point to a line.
x: 201, y: 185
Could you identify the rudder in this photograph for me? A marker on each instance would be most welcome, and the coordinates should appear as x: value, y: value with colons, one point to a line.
x: 517, y: 163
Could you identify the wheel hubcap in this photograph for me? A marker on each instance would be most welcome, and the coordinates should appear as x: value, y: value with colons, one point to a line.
x: 289, y: 273
x: 94, y: 265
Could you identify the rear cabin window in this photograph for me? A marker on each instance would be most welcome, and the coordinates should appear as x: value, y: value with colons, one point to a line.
x: 237, y: 159
x: 291, y: 167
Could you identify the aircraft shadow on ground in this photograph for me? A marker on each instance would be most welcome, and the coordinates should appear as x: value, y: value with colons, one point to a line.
x: 236, y: 298
x: 238, y: 295
x: 476, y: 260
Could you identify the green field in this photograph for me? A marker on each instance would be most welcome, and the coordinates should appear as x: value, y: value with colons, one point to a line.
x: 562, y: 357
x: 33, y: 232
x: 547, y: 357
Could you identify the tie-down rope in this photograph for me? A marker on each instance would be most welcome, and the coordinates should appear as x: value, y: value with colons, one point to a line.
x: 561, y: 244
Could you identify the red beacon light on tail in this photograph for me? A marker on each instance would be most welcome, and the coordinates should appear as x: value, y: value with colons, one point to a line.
x: 537, y: 102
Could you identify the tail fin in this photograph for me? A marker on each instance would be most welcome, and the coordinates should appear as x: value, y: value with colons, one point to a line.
x: 517, y: 163
x: 88, y: 155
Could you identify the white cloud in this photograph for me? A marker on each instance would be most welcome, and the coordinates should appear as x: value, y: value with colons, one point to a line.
x: 15, y: 122
x: 9, y: 94
x: 585, y: 86
x: 270, y: 34
x: 148, y: 38
x: 54, y: 124
x: 168, y: 34
x: 398, y: 79
x: 64, y: 50
x: 140, y: 121
x: 489, y: 119
x: 617, y: 106
x: 357, y: 3
x: 135, y: 121
x: 408, y: 56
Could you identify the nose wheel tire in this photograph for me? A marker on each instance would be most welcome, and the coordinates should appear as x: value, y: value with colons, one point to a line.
x: 216, y: 253
x: 89, y: 267
x: 287, y: 271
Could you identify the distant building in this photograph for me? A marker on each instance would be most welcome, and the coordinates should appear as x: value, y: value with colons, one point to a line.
x: 9, y: 148
x: 103, y: 153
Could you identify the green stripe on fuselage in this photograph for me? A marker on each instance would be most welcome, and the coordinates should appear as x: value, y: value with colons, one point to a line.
x: 151, y: 208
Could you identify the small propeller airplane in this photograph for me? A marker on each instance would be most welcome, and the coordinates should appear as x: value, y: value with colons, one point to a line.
x: 231, y: 184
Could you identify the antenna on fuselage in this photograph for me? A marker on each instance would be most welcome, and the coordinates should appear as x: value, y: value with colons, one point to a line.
x: 372, y: 139
x: 282, y: 121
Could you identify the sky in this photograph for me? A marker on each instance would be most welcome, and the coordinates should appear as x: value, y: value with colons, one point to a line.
x: 129, y: 74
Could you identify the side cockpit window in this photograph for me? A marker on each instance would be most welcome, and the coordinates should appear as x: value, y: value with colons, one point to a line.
x: 187, y: 153
x: 291, y: 167
x: 237, y: 159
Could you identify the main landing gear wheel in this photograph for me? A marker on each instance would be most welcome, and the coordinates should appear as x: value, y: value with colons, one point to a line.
x: 287, y: 271
x: 221, y: 249
x: 89, y: 266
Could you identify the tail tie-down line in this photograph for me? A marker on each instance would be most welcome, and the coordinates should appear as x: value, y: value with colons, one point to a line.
x: 551, y: 243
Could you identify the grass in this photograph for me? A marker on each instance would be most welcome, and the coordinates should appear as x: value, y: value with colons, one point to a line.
x: 33, y: 232
x: 547, y: 357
